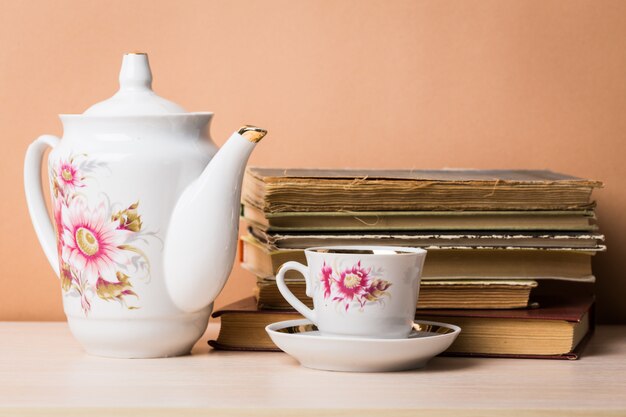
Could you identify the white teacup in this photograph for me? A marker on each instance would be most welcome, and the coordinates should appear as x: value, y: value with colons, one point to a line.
x: 363, y: 291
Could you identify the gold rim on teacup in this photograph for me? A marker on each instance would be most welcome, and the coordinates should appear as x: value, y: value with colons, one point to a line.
x: 365, y: 250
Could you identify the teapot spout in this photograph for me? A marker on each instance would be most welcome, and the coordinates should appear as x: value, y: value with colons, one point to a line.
x: 201, y: 240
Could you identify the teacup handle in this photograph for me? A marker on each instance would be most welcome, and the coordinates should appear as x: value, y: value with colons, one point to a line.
x: 292, y: 299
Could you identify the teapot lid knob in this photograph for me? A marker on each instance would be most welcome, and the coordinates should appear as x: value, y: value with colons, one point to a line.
x: 135, y: 96
x: 135, y: 72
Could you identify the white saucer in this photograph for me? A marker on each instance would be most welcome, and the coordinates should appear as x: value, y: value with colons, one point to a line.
x: 301, y: 340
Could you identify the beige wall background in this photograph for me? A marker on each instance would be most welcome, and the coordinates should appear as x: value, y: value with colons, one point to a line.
x: 407, y: 84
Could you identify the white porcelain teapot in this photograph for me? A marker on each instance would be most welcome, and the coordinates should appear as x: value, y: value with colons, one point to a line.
x: 145, y: 217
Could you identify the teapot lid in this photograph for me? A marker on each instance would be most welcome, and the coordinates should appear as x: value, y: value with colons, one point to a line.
x: 135, y: 96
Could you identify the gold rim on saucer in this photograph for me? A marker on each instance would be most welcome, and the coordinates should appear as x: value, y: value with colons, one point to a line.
x: 417, y: 328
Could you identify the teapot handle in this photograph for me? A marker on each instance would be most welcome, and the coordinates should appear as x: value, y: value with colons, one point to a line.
x: 35, y: 197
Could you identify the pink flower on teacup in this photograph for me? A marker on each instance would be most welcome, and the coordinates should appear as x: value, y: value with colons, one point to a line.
x: 326, y: 278
x: 353, y: 285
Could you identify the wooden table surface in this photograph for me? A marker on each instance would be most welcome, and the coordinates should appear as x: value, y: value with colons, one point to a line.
x: 44, y: 372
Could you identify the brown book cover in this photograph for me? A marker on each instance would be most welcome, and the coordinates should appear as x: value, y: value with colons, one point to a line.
x: 248, y: 305
x: 370, y: 221
x: 576, y: 310
x: 505, y: 176
x: 449, y: 263
x: 307, y: 190
x: 445, y: 294
x: 439, y: 240
x: 564, y: 321
x: 547, y: 307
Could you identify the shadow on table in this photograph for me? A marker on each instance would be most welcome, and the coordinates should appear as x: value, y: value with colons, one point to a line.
x: 605, y: 341
x: 448, y: 364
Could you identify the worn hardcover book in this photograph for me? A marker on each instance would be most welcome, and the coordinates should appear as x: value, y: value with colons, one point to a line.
x: 553, y: 330
x: 324, y: 190
x: 433, y: 240
x: 556, y: 329
x: 450, y: 294
x: 449, y: 263
x: 370, y: 221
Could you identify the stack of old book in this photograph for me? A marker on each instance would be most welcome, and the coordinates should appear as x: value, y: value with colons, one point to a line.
x: 509, y: 252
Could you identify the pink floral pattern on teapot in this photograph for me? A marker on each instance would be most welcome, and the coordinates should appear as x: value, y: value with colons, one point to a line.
x: 98, y: 246
x: 353, y: 284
